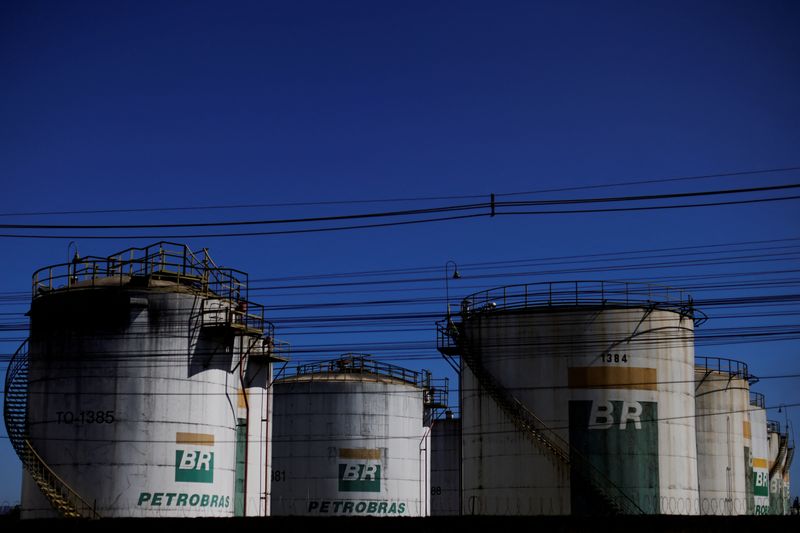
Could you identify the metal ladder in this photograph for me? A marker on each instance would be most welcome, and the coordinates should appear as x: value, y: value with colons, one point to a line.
x: 64, y: 499
x: 602, y: 488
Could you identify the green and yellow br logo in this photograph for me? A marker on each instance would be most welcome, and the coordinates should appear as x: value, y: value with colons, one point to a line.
x: 359, y: 470
x: 194, y: 458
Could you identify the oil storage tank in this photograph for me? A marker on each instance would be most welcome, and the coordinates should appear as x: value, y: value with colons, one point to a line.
x: 142, y: 390
x: 577, y: 398
x: 350, y: 440
x: 446, y: 466
x: 758, y: 427
x: 722, y: 402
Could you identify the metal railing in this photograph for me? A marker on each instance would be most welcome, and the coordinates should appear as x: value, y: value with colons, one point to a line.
x: 437, y: 393
x: 173, y: 261
x: 280, y: 349
x: 773, y: 426
x: 61, y: 496
x: 757, y: 400
x: 447, y: 333
x: 352, y: 363
x: 64, y: 499
x: 248, y: 316
x: 575, y: 293
x: 15, y: 400
x: 266, y: 345
x: 734, y: 369
x: 167, y: 261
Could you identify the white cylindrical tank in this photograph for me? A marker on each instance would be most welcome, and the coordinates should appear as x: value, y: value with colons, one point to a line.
x: 723, y: 433
x: 758, y: 426
x: 136, y: 388
x: 446, y: 466
x: 255, y: 406
x: 577, y: 398
x: 349, y: 440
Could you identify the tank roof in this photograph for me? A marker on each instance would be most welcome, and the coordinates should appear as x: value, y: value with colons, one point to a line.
x: 579, y: 293
x: 162, y: 261
x: 733, y: 368
x: 342, y: 378
x: 163, y: 265
x: 359, y: 367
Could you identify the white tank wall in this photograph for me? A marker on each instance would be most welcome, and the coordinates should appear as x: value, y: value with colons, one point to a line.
x: 333, y: 434
x: 446, y: 467
x: 747, y: 455
x: 758, y: 426
x: 722, y: 404
x: 126, y: 407
x: 426, y: 456
x: 258, y: 413
x: 554, y: 360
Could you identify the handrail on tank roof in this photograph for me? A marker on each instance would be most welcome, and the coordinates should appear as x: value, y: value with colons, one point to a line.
x: 757, y: 399
x: 732, y: 367
x: 160, y: 258
x: 356, y: 363
x: 580, y: 292
x: 773, y: 426
x: 164, y: 260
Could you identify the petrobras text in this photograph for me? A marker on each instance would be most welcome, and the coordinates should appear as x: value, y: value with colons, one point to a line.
x: 182, y: 499
x: 379, y: 507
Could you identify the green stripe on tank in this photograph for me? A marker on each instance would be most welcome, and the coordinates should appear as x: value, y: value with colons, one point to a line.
x: 620, y: 440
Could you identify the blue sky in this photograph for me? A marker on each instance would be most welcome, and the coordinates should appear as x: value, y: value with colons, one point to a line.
x: 147, y: 104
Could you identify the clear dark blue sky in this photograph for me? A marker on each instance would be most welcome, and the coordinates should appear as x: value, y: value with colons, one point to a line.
x: 163, y: 104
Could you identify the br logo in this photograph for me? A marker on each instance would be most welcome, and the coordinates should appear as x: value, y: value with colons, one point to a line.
x: 761, y: 483
x: 359, y: 470
x: 194, y: 460
x: 604, y: 416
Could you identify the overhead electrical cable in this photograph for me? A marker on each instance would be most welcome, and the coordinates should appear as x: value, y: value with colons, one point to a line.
x: 406, y: 212
x: 405, y: 199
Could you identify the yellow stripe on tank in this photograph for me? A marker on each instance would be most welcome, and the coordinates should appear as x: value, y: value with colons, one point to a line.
x: 203, y: 439
x: 612, y: 377
x: 360, y: 453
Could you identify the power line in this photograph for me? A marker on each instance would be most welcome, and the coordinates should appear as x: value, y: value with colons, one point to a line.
x: 406, y: 212
x: 406, y: 199
x: 563, y: 259
x: 394, y: 392
x: 248, y: 234
x: 491, y: 205
x: 352, y: 438
x: 605, y: 257
x: 647, y: 208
